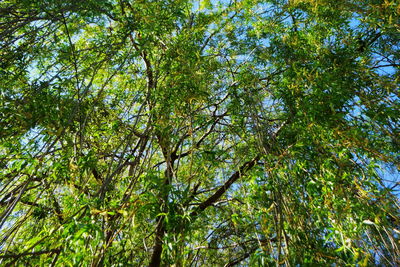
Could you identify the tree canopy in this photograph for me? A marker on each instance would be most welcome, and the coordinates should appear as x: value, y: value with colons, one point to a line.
x: 199, y: 133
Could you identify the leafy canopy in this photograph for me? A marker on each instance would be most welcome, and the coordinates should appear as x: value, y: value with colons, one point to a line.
x: 199, y: 133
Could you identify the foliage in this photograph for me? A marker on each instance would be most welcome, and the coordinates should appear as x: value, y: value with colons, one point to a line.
x: 199, y: 133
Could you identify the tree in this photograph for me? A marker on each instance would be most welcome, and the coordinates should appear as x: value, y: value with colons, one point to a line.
x: 203, y: 133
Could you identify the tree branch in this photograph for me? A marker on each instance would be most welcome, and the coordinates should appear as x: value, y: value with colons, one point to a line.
x: 234, y: 177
